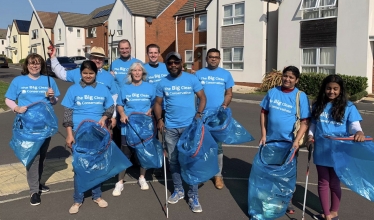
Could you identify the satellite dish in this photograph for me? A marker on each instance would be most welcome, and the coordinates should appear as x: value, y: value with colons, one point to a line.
x: 149, y: 19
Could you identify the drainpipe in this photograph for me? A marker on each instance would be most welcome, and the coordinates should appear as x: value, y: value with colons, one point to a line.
x: 176, y: 34
x: 217, y: 25
x: 267, y: 33
x: 135, y: 34
x: 20, y: 41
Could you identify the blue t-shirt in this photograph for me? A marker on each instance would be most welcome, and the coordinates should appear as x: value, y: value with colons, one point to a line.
x: 102, y: 77
x: 215, y: 83
x: 136, y: 99
x: 155, y: 74
x: 326, y: 125
x: 87, y: 103
x: 281, y: 109
x: 27, y: 91
x: 179, y: 98
x: 121, y: 68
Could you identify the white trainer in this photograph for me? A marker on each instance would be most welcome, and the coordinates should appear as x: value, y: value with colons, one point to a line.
x: 118, y: 189
x: 143, y: 184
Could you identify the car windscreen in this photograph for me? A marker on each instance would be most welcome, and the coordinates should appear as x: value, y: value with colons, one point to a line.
x: 64, y: 60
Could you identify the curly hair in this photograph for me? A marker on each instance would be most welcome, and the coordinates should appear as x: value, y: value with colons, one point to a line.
x: 338, y: 104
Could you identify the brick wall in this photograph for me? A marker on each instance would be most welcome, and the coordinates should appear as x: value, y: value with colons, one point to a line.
x: 162, y: 30
x: 185, y: 42
x: 101, y: 38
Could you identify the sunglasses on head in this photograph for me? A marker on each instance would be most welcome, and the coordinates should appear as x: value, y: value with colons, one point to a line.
x: 176, y: 62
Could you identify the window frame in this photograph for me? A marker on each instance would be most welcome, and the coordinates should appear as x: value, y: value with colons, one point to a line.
x: 233, y: 16
x: 318, y: 64
x: 318, y: 8
x: 185, y: 25
x: 119, y: 29
x: 188, y: 63
x: 59, y: 34
x: 232, y: 61
x: 35, y: 34
x: 15, y: 39
x: 79, y: 33
x: 206, y: 23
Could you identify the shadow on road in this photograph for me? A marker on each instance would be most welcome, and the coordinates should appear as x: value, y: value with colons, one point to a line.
x: 58, y: 152
x: 312, y: 201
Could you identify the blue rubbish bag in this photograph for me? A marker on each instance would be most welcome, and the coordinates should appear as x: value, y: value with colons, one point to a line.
x: 96, y: 157
x: 197, y: 154
x: 30, y: 130
x: 224, y: 128
x: 141, y: 135
x: 140, y: 128
x: 270, y: 187
x: 353, y: 164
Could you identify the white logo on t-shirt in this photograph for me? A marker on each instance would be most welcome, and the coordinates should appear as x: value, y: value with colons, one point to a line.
x: 79, y: 103
x: 23, y: 91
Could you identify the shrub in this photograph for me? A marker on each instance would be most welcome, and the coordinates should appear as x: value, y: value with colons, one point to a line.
x: 9, y: 60
x: 310, y: 83
x: 106, y: 67
x: 22, y: 61
x: 358, y: 96
x: 271, y: 80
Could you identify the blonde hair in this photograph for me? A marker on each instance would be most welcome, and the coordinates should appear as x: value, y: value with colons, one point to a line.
x: 132, y: 67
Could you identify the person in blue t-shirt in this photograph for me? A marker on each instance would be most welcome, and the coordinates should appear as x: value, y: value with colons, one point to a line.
x: 103, y: 77
x: 333, y: 115
x: 135, y: 96
x: 278, y: 114
x: 120, y: 67
x: 29, y: 88
x: 87, y: 100
x: 217, y: 83
x: 178, y: 91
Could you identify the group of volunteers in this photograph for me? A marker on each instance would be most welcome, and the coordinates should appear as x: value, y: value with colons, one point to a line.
x: 164, y: 91
x: 331, y: 114
x: 160, y: 90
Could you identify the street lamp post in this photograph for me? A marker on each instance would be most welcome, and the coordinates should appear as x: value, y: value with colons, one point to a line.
x: 111, y: 47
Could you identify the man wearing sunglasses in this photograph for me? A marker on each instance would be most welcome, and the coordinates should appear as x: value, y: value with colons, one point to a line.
x: 217, y: 83
x: 178, y: 91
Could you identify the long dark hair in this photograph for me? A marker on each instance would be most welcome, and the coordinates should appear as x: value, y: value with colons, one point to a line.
x: 89, y: 65
x: 338, y: 104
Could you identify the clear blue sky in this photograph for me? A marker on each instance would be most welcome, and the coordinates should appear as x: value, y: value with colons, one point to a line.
x: 21, y: 9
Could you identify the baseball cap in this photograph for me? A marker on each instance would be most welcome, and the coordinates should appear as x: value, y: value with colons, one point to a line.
x: 177, y: 55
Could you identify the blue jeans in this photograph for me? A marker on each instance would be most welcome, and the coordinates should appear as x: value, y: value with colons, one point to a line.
x: 172, y: 136
x: 78, y: 197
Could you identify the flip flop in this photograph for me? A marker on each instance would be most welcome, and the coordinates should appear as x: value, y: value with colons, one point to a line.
x: 290, y: 209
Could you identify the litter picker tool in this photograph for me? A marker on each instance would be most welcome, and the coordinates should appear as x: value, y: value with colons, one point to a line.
x: 40, y: 22
x: 137, y: 134
x: 45, y: 58
x: 351, y: 138
x: 166, y: 207
x: 310, y: 150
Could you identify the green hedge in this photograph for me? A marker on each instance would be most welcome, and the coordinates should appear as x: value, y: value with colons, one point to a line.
x: 21, y: 61
x: 9, y: 60
x: 310, y: 83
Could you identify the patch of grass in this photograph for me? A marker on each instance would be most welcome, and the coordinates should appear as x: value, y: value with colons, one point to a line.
x: 3, y: 88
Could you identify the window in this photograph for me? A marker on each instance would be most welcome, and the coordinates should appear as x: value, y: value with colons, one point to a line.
x: 15, y: 39
x: 189, y: 58
x: 35, y: 34
x: 2, y: 42
x: 119, y: 27
x: 233, y: 58
x: 202, y: 23
x: 318, y: 60
x: 314, y: 9
x: 57, y: 52
x: 115, y: 53
x: 233, y: 14
x: 59, y: 34
x: 78, y: 33
x: 35, y: 50
x: 2, y: 52
x: 188, y: 25
x: 91, y: 32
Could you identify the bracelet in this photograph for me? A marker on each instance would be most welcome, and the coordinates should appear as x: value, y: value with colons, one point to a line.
x: 159, y: 119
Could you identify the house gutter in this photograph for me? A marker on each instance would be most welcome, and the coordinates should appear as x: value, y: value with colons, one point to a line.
x: 176, y: 34
x: 217, y: 24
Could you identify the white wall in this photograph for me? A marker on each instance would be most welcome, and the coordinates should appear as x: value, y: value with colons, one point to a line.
x: 73, y: 42
x: 8, y: 33
x: 3, y: 44
x: 353, y: 52
x: 119, y: 11
x: 139, y: 38
x: 254, y: 40
x: 61, y: 44
x: 289, y: 34
x: 41, y: 34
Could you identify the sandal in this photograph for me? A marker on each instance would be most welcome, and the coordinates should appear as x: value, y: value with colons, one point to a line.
x: 290, y: 208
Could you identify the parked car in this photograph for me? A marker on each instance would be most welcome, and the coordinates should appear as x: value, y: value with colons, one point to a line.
x: 66, y: 62
x: 3, y: 62
x: 78, y: 59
